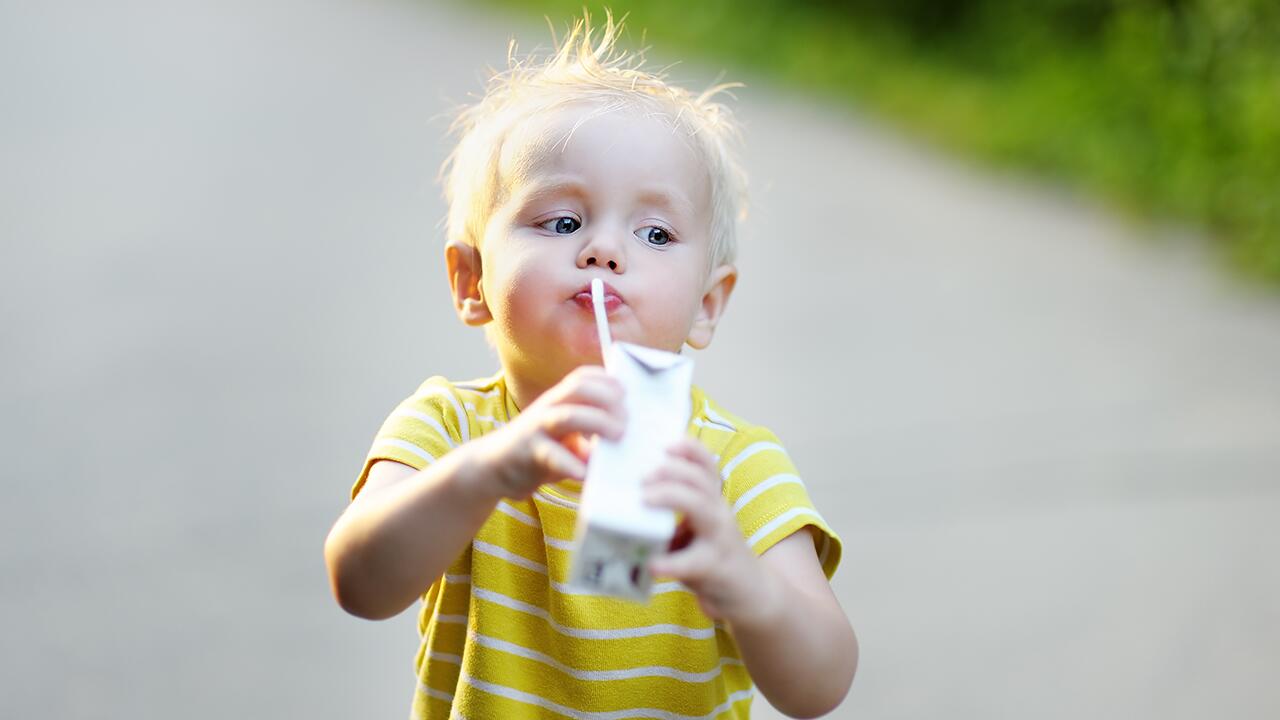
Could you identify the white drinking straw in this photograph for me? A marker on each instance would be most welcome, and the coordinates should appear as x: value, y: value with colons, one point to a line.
x: 602, y: 320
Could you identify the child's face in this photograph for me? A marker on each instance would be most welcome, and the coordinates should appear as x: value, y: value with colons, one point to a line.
x: 624, y: 199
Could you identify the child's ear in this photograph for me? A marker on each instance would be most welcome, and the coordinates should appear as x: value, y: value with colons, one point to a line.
x: 719, y: 287
x: 462, y: 262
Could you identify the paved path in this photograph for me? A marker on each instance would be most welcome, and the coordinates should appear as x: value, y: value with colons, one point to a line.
x: 1053, y: 448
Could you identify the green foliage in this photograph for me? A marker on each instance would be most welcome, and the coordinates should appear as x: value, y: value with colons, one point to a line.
x: 1167, y: 107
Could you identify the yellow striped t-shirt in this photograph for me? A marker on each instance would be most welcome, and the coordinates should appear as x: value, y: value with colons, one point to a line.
x: 502, y: 634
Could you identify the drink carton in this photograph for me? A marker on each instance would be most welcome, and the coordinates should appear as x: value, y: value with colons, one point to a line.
x: 616, y: 532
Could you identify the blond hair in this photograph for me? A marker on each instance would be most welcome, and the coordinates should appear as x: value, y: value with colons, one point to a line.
x: 585, y: 70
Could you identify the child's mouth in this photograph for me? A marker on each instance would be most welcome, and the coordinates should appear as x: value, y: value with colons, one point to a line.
x: 612, y: 300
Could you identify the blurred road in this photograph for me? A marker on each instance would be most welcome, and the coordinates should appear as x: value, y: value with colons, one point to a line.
x: 1052, y: 447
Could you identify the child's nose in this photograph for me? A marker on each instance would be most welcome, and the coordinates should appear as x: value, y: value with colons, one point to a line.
x: 603, y: 249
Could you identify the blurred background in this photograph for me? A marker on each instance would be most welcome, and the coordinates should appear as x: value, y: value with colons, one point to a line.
x: 1008, y: 294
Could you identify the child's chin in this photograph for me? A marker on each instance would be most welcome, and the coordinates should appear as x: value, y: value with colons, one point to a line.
x: 589, y: 355
x: 584, y: 348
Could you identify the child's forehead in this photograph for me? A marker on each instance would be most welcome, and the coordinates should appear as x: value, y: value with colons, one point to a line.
x: 539, y: 140
x: 533, y: 143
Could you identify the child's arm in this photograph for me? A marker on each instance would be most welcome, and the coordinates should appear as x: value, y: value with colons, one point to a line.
x: 795, y: 639
x: 405, y: 527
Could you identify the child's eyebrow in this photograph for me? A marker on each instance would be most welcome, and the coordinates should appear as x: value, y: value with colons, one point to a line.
x: 553, y: 188
x: 674, y: 202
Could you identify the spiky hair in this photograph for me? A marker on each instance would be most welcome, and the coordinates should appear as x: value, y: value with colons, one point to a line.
x: 588, y: 69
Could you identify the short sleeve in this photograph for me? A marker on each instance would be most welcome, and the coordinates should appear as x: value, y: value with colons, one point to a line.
x: 768, y: 498
x: 421, y: 429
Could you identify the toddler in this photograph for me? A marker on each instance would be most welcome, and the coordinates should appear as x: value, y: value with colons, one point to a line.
x: 579, y: 167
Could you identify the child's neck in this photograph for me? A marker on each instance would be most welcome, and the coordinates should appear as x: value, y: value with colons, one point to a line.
x: 523, y: 391
x: 523, y: 388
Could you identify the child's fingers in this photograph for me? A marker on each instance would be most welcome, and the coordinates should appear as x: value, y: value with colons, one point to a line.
x: 557, y: 460
x: 563, y: 420
x: 586, y: 373
x: 682, y: 470
x: 694, y: 451
x: 605, y: 394
x: 579, y: 445
x: 702, y: 511
x: 693, y: 563
x: 588, y: 385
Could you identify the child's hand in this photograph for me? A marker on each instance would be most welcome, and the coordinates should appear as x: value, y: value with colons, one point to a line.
x: 549, y: 440
x: 708, y: 553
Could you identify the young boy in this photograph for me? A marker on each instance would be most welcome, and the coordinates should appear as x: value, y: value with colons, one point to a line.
x: 587, y: 167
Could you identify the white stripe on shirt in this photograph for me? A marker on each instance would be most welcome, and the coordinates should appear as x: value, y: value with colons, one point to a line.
x: 507, y: 509
x: 545, y: 494
x: 429, y: 421
x: 483, y: 418
x: 445, y: 657
x: 593, y: 675
x: 750, y: 450
x: 782, y: 519
x: 437, y: 694
x: 762, y: 486
x: 713, y: 425
x: 714, y: 416
x: 531, y: 699
x: 589, y: 633
x: 406, y: 445
x: 505, y: 554
x: 464, y: 421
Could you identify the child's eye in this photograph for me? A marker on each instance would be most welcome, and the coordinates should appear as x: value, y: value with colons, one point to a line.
x: 562, y: 225
x: 654, y: 235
